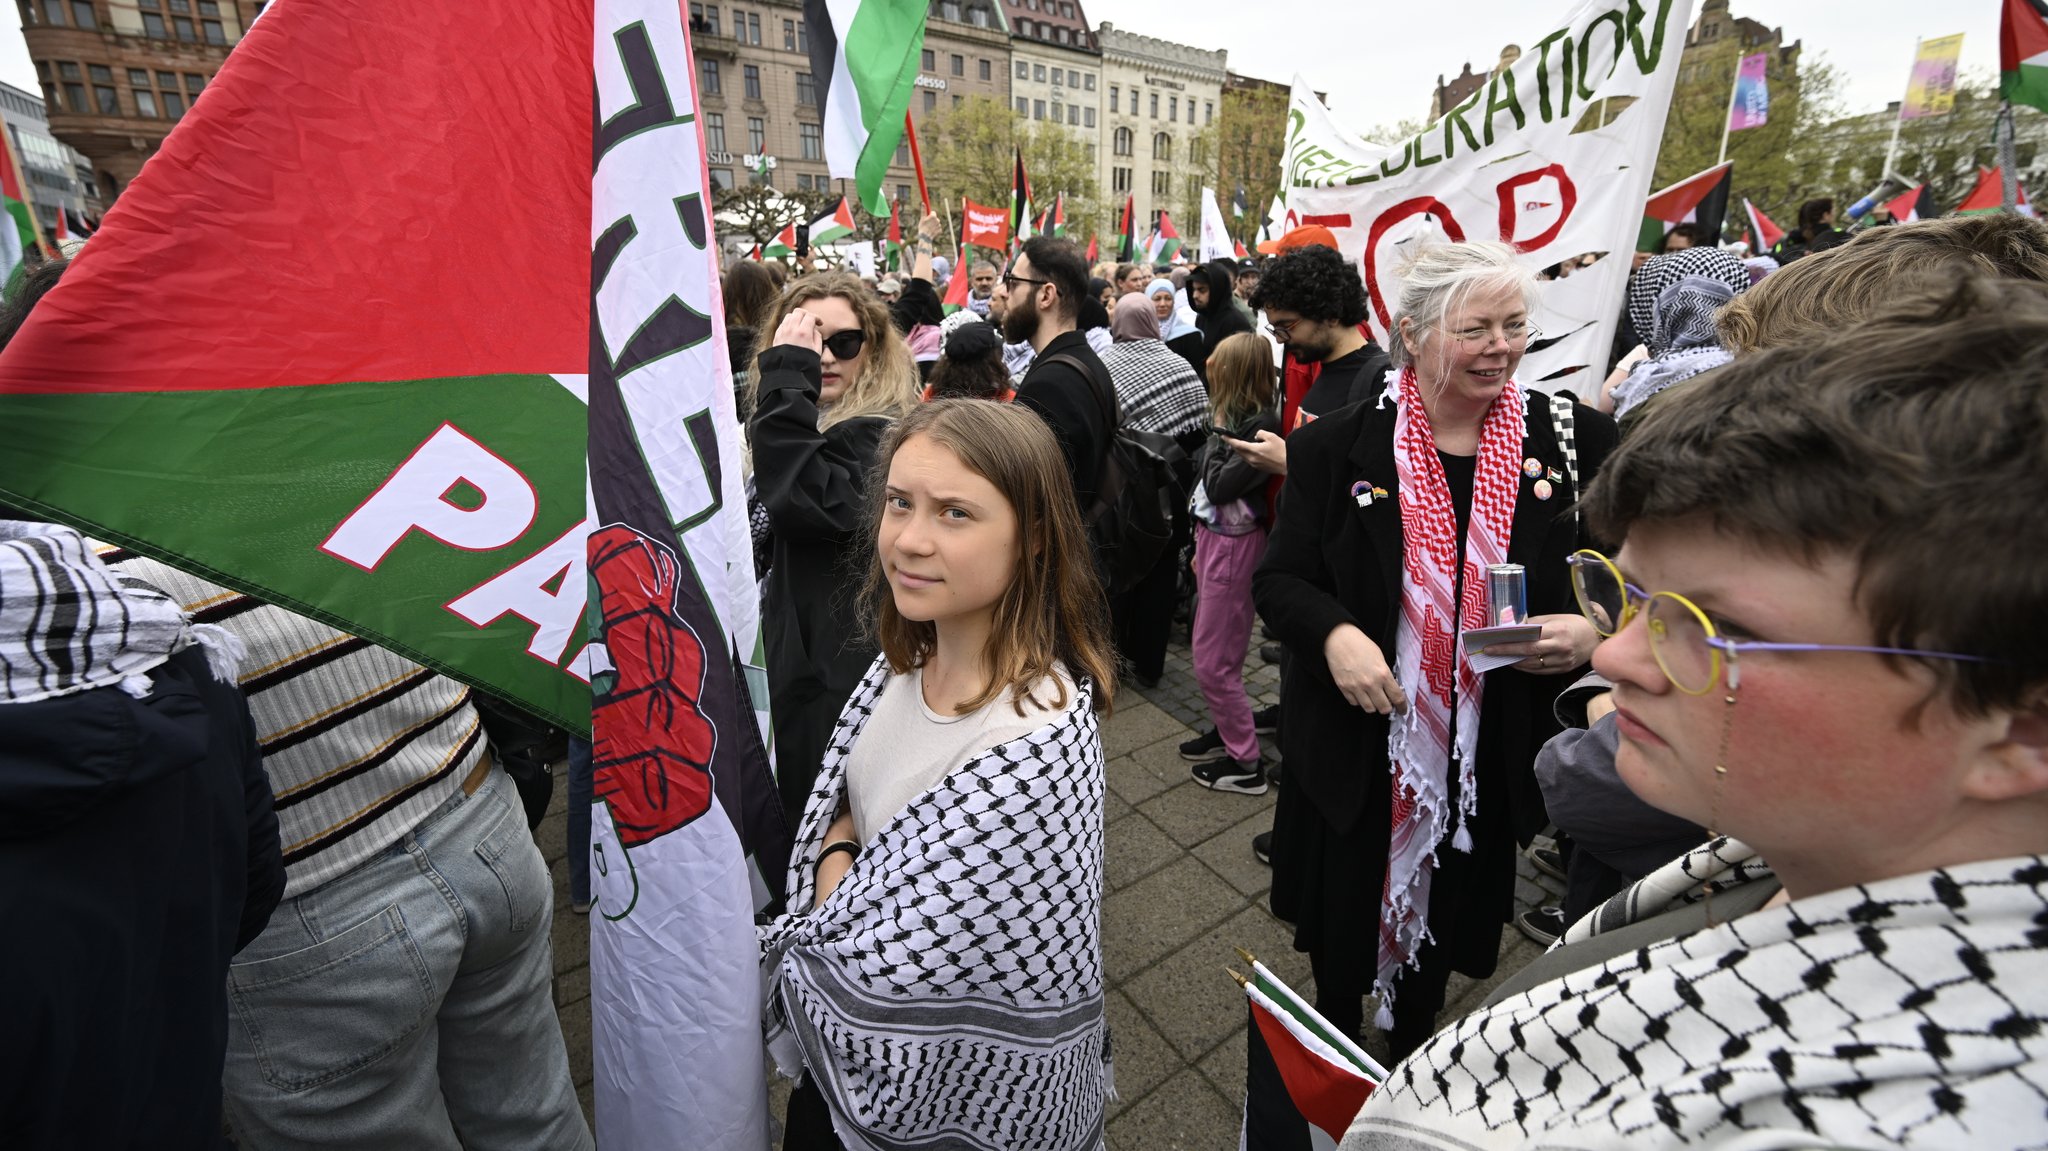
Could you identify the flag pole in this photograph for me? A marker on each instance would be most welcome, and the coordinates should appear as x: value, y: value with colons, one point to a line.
x: 1728, y: 120
x: 2008, y: 165
x: 1891, y: 151
x: 917, y: 161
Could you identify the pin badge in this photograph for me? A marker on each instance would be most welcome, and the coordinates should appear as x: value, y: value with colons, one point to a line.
x: 1542, y: 489
x: 1532, y: 467
x: 1554, y: 476
x: 1364, y: 492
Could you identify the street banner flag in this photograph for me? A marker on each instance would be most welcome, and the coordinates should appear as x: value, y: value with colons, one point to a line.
x: 1751, y: 107
x: 956, y: 288
x: 2023, y: 53
x: 1020, y: 200
x: 21, y: 234
x: 1304, y: 1080
x: 864, y: 59
x: 1763, y: 234
x: 1916, y: 205
x: 1516, y: 161
x: 833, y: 224
x: 895, y: 242
x: 1700, y: 199
x: 1215, y: 235
x: 1989, y: 195
x: 1932, y: 89
x: 984, y: 227
x: 1165, y: 242
x: 1127, y: 239
x: 400, y: 450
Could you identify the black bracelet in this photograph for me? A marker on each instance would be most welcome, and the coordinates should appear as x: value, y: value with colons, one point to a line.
x: 848, y: 846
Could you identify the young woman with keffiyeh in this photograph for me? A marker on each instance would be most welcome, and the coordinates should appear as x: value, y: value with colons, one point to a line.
x: 1409, y: 773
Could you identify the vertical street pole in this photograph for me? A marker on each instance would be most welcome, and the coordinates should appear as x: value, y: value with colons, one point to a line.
x: 1891, y: 152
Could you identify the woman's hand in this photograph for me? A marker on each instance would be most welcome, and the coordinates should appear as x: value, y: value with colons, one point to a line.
x: 1361, y: 672
x: 1268, y: 454
x: 1566, y: 645
x: 799, y: 329
x: 928, y: 229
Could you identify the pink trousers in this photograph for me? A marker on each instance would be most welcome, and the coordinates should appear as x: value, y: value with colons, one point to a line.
x: 1223, y: 629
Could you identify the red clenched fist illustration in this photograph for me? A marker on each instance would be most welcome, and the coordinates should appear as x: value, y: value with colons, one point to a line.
x: 651, y: 756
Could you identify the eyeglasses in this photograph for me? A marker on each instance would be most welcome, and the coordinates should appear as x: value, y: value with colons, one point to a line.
x: 1517, y: 334
x: 847, y: 344
x: 1688, y: 647
x: 1011, y: 280
x: 1283, y: 328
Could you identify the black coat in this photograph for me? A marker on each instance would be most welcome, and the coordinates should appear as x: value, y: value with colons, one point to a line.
x: 138, y: 853
x: 814, y: 485
x: 1072, y: 406
x: 1330, y: 562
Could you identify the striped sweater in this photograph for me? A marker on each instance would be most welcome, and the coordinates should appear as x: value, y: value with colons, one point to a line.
x: 360, y: 744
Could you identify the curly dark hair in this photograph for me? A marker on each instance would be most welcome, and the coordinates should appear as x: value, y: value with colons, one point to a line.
x: 1314, y: 283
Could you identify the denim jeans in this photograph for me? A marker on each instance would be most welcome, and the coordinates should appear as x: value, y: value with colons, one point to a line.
x: 408, y: 1002
x: 580, y: 783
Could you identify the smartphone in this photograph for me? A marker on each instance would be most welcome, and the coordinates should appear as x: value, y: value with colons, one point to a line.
x: 803, y: 240
x: 1226, y: 433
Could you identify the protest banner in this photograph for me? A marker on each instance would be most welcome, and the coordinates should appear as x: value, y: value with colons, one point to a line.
x: 1553, y: 154
x: 1216, y: 243
x: 985, y: 227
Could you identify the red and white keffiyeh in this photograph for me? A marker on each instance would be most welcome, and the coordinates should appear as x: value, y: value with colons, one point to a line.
x: 1438, y: 683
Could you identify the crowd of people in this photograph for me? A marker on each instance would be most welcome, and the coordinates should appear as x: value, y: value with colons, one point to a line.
x: 1779, y: 695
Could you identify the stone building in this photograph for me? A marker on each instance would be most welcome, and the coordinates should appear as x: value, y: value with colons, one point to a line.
x: 1159, y: 113
x: 1056, y: 68
x: 1717, y: 35
x: 56, y: 176
x: 116, y: 74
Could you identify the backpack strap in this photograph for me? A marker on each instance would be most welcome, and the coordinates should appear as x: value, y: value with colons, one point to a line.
x: 1561, y: 424
x: 1102, y: 400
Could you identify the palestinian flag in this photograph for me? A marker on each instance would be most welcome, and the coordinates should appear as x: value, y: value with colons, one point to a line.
x: 1701, y: 200
x: 1127, y: 241
x: 833, y: 224
x: 893, y: 247
x: 755, y: 255
x: 1238, y: 204
x: 23, y: 235
x: 1165, y: 242
x: 864, y: 58
x: 2023, y: 53
x: 1763, y: 235
x: 783, y: 246
x: 1916, y: 205
x: 1989, y: 195
x: 1091, y: 248
x: 957, y: 287
x: 1020, y: 201
x: 1304, y: 1081
x: 1059, y: 217
x: 1238, y: 245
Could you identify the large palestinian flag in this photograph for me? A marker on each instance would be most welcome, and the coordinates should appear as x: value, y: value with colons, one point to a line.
x: 234, y: 376
x: 2023, y: 53
x: 864, y: 58
x: 1700, y: 199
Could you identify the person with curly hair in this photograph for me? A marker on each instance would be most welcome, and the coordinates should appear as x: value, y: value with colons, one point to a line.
x: 1314, y: 302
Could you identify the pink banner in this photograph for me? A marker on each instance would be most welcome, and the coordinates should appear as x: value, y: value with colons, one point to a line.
x: 1751, y: 107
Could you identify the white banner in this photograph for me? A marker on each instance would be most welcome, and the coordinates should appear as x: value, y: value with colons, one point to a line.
x: 1215, y: 237
x: 1526, y: 160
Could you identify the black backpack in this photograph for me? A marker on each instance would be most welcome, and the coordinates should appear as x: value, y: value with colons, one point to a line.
x: 1131, y: 522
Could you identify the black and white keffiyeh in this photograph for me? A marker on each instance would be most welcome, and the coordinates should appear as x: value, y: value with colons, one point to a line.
x: 68, y: 624
x: 949, y: 993
x: 1904, y: 1013
x: 1157, y: 387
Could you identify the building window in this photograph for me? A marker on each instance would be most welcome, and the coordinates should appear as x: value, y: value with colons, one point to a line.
x: 754, y: 29
x: 1023, y: 70
x: 959, y: 64
x: 1112, y: 98
x: 903, y: 193
x: 1120, y: 179
x: 714, y: 131
x: 1162, y: 183
x: 789, y: 35
x: 194, y: 85
x: 1088, y: 118
x: 1073, y: 78
x: 103, y: 89
x: 1155, y: 105
x: 81, y: 14
x: 903, y: 153
x: 1055, y: 110
x: 1023, y: 29
x: 930, y: 62
x: 1122, y: 142
x: 956, y: 99
x: 1208, y: 112
x: 721, y: 179
x: 1173, y: 107
x: 1091, y: 153
x: 1038, y: 73
x: 803, y: 181
x: 1060, y: 34
x: 1088, y: 81
x: 1059, y: 77
x: 803, y: 37
x: 1074, y: 115
x: 757, y: 135
x: 978, y: 17
x: 704, y: 19
x: 1038, y: 109
x: 1162, y: 146
x: 750, y: 74
x: 145, y: 98
x: 74, y: 92
x: 174, y: 105
x: 1023, y: 105
x: 931, y: 100
x: 806, y: 91
x: 707, y: 76
x: 811, y: 139
x: 215, y: 34
x: 153, y: 20
x: 949, y: 10
x: 181, y: 20
x: 53, y: 12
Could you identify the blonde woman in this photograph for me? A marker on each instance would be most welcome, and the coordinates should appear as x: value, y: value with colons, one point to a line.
x: 831, y: 376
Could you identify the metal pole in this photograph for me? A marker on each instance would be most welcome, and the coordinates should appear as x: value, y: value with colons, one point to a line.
x: 1891, y: 152
x: 2008, y: 164
x: 1728, y: 119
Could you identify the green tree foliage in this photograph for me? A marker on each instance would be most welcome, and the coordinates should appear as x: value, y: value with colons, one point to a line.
x: 758, y: 211
x: 1251, y: 138
x: 1775, y: 163
x: 1943, y: 152
x: 969, y: 151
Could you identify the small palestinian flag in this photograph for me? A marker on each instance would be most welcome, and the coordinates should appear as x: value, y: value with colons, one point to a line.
x: 1763, y: 235
x: 1238, y: 245
x: 23, y: 235
x: 894, y: 244
x: 1020, y: 201
x: 864, y: 56
x: 956, y: 288
x: 783, y: 246
x: 1127, y: 241
x: 2023, y: 53
x: 1989, y: 195
x: 1701, y: 200
x: 1058, y: 227
x: 833, y: 224
x: 1238, y: 204
x: 1092, y: 245
x: 1165, y: 242
x: 78, y: 225
x: 1304, y: 1081
x: 1916, y: 205
x: 755, y: 255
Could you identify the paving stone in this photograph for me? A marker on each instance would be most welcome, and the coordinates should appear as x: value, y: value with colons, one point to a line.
x: 1223, y: 1066
x: 576, y: 1036
x: 1184, y: 1114
x: 1134, y: 725
x: 1143, y: 1060
x: 571, y: 934
x: 553, y: 833
x: 572, y: 986
x: 1153, y: 917
x: 1136, y: 848
x: 1228, y: 853
x: 1113, y: 808
x: 1192, y: 814
x: 1187, y: 995
x: 1136, y: 781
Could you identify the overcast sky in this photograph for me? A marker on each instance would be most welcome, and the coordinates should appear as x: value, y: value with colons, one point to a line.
x: 1379, y: 62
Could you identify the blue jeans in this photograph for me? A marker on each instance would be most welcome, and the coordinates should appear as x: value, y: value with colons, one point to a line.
x: 408, y: 1002
x: 579, y: 819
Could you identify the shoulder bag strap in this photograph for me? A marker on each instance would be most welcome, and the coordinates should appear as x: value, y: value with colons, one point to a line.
x: 1561, y: 423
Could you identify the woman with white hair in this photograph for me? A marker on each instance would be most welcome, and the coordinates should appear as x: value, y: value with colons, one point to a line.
x: 1410, y: 769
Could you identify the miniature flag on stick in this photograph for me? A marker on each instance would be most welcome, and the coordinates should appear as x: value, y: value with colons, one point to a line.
x: 1304, y: 1080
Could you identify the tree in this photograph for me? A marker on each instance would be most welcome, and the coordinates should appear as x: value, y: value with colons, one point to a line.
x: 1775, y: 165
x: 759, y: 211
x: 970, y: 151
x: 1943, y: 152
x: 1251, y: 138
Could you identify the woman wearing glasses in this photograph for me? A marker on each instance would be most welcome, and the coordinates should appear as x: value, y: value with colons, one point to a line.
x: 1853, y: 694
x: 1409, y: 771
x: 831, y: 377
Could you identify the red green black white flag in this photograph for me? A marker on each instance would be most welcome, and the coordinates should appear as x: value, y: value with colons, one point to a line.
x: 1763, y: 234
x: 1700, y: 199
x: 1304, y: 1080
x: 864, y: 59
x: 2023, y: 53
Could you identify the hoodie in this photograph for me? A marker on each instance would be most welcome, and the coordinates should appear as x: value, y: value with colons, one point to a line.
x: 1218, y: 319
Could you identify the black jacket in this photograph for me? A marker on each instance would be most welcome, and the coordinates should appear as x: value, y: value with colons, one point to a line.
x: 1071, y: 406
x: 138, y: 853
x: 1226, y: 476
x: 1218, y: 319
x: 814, y: 486
x: 1330, y: 562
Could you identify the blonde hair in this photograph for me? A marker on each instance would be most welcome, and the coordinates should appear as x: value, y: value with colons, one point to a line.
x: 1240, y: 378
x: 1438, y: 280
x: 887, y: 385
x: 1053, y: 608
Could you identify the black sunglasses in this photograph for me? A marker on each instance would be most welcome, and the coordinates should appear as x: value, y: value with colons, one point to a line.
x: 847, y: 344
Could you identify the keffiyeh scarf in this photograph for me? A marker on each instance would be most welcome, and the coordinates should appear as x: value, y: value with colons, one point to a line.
x: 1438, y: 683
x: 68, y: 624
x: 1904, y: 1013
x: 950, y: 992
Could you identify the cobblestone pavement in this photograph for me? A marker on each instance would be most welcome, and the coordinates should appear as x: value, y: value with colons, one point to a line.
x: 1184, y: 891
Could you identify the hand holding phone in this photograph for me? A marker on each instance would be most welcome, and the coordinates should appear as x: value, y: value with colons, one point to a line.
x: 803, y: 240
x: 1226, y: 433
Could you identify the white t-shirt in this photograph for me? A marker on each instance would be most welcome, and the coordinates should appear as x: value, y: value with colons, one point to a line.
x: 907, y: 747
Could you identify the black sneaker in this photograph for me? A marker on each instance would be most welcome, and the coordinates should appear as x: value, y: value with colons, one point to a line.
x: 1270, y: 652
x: 1266, y: 720
x: 1262, y: 848
x: 1204, y: 747
x: 1273, y: 772
x: 1245, y: 777
x: 1542, y: 924
x: 1547, y: 861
